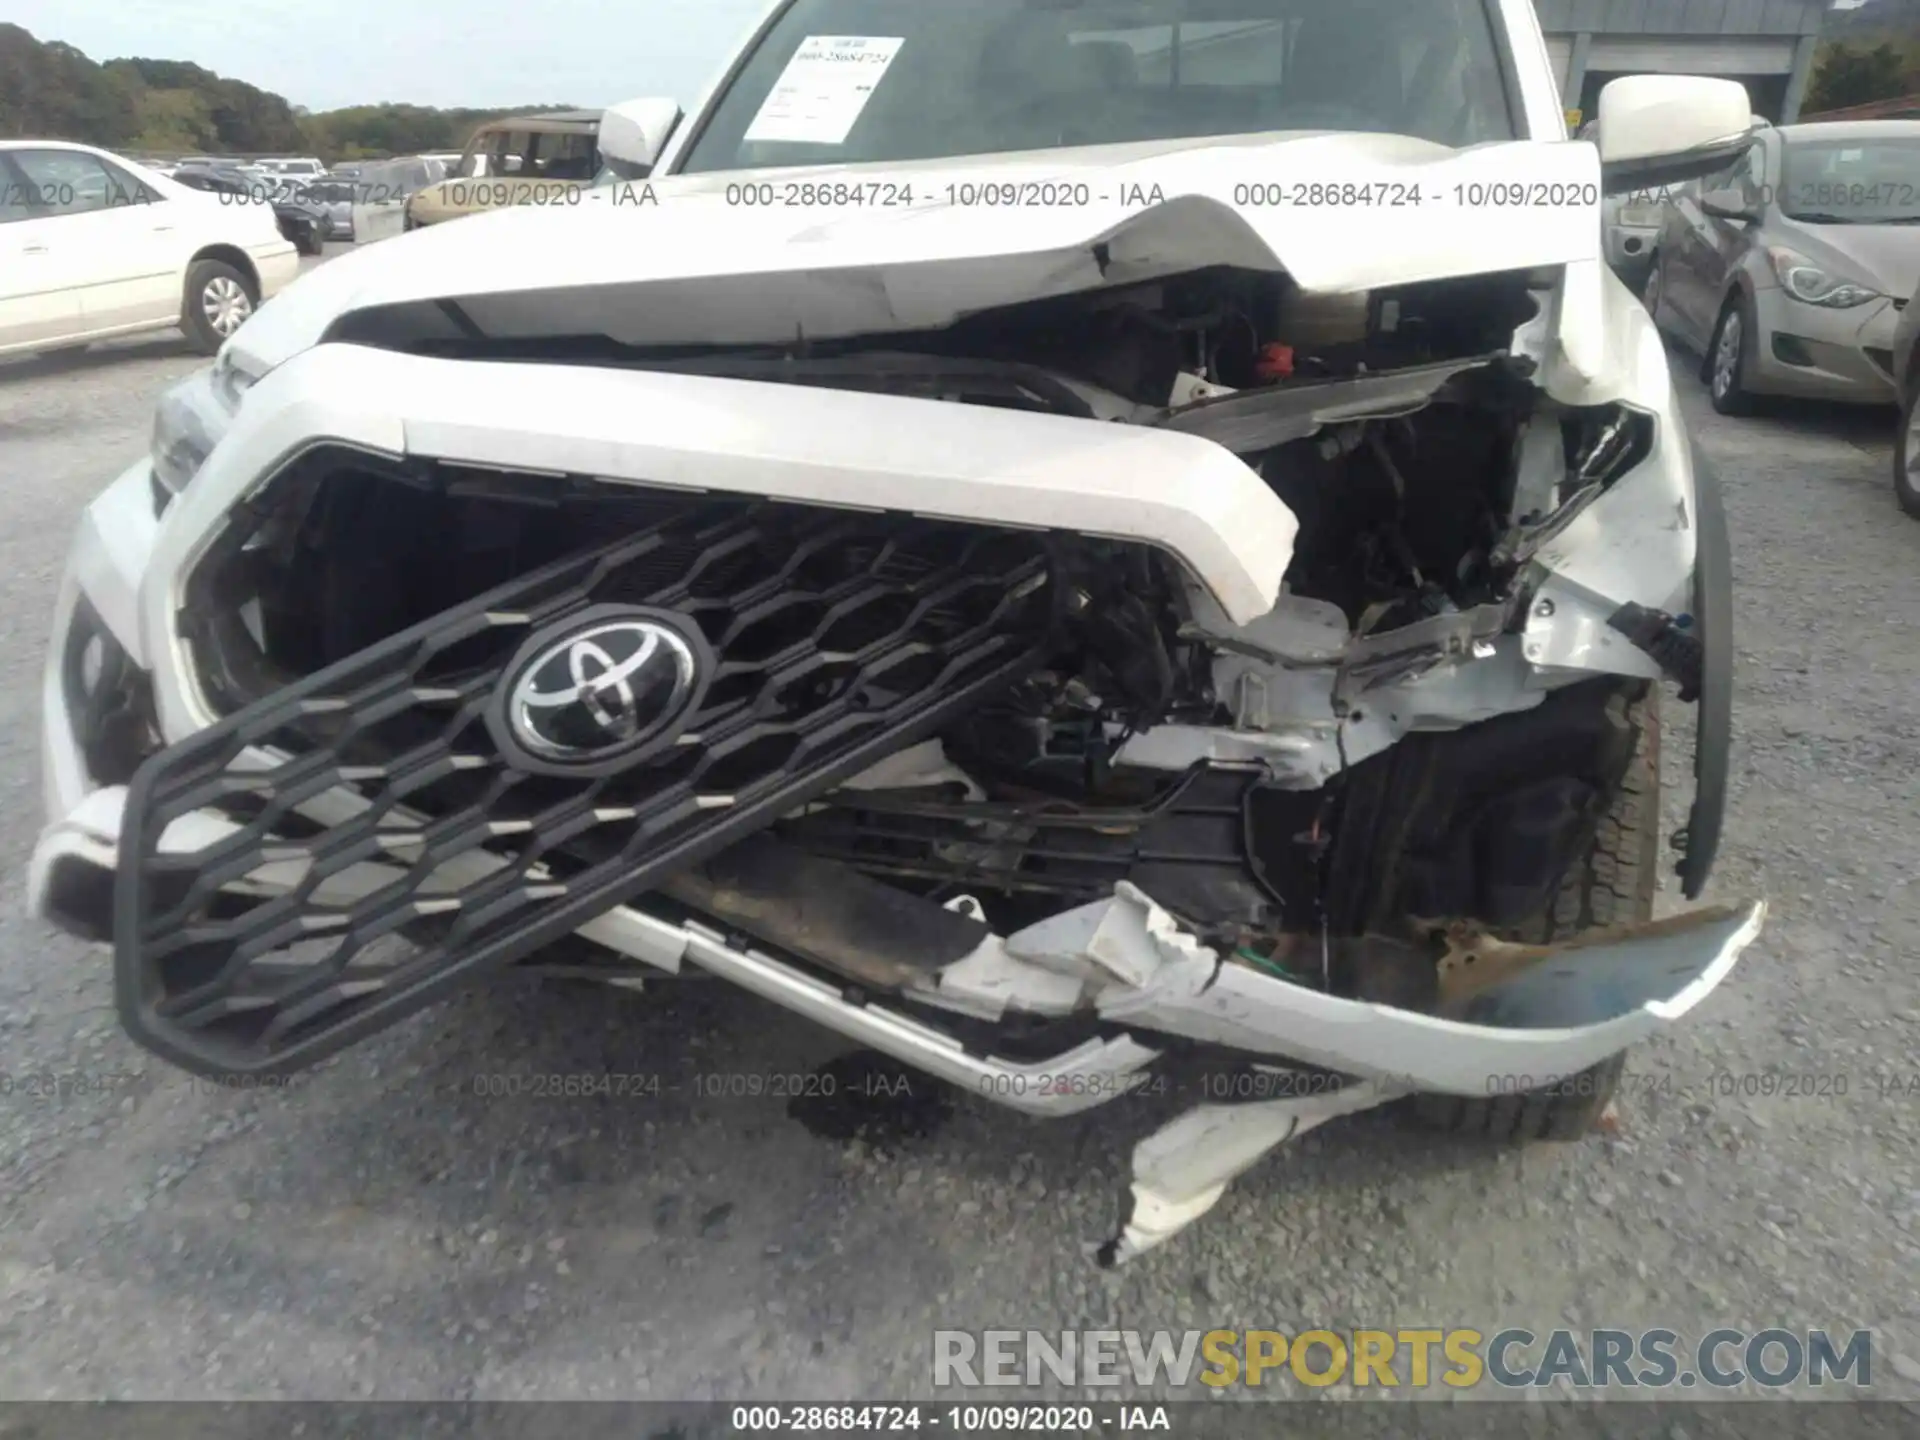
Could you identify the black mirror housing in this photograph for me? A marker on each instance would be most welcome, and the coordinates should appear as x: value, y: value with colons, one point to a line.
x: 1622, y: 177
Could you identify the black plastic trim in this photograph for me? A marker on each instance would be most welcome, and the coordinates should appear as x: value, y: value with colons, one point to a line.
x: 828, y: 913
x: 501, y: 918
x: 1623, y: 177
x: 1713, y: 625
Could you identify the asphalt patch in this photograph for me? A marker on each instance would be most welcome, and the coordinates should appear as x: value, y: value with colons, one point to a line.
x: 872, y: 1098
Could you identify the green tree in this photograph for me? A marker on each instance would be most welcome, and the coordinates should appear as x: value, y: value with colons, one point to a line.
x: 1847, y: 74
x: 53, y: 91
x: 174, y: 121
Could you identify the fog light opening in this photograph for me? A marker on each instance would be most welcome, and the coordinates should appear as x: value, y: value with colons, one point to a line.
x: 79, y: 898
x: 1792, y: 350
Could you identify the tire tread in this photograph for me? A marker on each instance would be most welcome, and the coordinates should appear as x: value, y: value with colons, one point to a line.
x: 1613, y: 885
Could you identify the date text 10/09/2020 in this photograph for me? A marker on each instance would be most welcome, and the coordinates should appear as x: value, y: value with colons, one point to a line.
x: 1076, y: 194
x: 816, y: 1419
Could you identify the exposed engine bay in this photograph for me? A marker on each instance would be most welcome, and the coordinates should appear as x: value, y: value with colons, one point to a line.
x: 1018, y: 805
x: 1422, y: 465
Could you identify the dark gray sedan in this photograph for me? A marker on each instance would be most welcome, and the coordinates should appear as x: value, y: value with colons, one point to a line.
x: 335, y: 198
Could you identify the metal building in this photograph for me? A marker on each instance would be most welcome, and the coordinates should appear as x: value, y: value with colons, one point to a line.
x: 1767, y: 44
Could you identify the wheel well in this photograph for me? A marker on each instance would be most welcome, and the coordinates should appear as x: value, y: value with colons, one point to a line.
x: 1733, y: 297
x: 236, y: 257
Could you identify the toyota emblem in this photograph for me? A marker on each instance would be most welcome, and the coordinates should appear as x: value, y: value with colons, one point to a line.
x: 593, y: 693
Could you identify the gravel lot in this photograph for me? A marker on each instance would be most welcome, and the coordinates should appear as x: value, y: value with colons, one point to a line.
x: 383, y: 1230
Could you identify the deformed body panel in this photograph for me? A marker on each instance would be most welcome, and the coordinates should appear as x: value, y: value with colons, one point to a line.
x: 1051, y: 645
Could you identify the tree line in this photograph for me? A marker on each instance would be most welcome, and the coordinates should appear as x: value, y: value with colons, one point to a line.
x: 160, y: 107
x: 1868, y: 53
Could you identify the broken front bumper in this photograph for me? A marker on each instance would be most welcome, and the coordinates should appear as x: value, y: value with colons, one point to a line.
x: 1121, y: 963
x: 1136, y: 981
x: 1540, y: 1016
x: 1553, y: 1013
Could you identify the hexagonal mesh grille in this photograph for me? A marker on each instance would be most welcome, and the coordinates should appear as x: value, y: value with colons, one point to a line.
x: 391, y: 850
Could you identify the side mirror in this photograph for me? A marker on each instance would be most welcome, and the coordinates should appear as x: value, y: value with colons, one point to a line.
x: 1666, y: 129
x: 634, y: 132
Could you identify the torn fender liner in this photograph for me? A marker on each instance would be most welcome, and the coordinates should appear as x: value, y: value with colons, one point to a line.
x: 867, y: 634
x: 1578, y: 1005
x: 1713, y: 623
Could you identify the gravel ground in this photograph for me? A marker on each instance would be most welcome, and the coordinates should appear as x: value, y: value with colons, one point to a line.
x: 383, y: 1229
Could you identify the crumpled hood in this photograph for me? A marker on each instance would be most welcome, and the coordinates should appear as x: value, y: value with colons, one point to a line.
x: 682, y: 261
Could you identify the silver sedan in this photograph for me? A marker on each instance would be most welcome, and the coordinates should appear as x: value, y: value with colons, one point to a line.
x: 1789, y: 270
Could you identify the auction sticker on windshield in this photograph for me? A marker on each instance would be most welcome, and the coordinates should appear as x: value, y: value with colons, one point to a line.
x: 824, y: 88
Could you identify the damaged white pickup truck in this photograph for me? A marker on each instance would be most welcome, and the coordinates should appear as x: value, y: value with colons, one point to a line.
x: 1055, y: 538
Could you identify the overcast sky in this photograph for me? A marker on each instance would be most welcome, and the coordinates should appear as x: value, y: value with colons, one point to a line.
x: 484, y: 53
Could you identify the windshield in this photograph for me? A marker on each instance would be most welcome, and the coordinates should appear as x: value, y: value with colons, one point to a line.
x: 850, y: 81
x: 1852, y: 182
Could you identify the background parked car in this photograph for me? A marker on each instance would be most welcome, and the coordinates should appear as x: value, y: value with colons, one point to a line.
x: 335, y: 198
x: 306, y: 222
x: 1782, y: 269
x: 93, y: 245
x: 1906, y: 371
x: 308, y: 226
x: 300, y: 168
x: 213, y: 179
x: 381, y: 190
x: 545, y: 157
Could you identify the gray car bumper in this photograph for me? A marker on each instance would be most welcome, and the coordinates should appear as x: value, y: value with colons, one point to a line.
x: 1820, y: 353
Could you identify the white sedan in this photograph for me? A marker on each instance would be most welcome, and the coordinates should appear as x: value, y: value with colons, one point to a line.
x: 93, y: 246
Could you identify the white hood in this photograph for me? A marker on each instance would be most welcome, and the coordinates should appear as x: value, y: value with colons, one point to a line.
x: 680, y: 261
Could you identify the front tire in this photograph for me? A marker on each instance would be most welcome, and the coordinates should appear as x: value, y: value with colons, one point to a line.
x: 1729, y: 355
x: 1650, y: 289
x: 1906, y: 448
x: 217, y: 302
x: 1612, y: 884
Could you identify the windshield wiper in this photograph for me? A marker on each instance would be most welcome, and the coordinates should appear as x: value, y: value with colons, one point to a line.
x: 1821, y: 217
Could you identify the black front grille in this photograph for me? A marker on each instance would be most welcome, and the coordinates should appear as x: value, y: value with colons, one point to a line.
x: 866, y: 633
